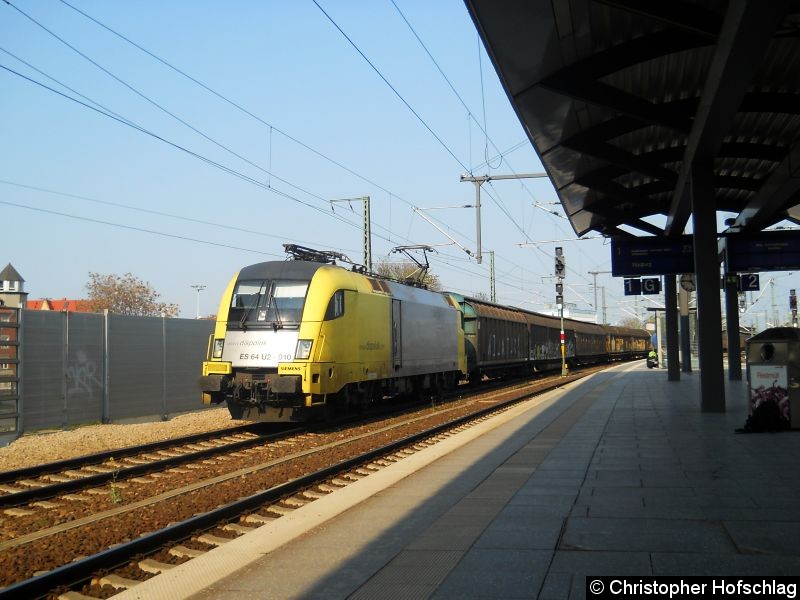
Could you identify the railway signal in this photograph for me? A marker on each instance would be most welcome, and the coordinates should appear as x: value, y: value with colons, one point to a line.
x: 561, y: 264
x: 560, y: 272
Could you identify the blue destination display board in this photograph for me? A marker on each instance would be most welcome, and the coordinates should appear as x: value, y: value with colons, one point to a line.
x: 632, y: 257
x: 763, y: 251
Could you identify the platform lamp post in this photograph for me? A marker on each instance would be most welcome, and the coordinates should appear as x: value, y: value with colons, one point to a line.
x: 199, y: 288
x: 560, y: 271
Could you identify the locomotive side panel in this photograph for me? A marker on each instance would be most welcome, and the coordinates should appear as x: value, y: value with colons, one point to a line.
x: 429, y: 333
x: 352, y: 344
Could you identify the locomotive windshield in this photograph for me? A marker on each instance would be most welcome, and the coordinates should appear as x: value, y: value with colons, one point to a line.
x: 274, y: 303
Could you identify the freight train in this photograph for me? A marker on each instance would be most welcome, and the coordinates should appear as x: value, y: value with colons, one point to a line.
x: 301, y: 339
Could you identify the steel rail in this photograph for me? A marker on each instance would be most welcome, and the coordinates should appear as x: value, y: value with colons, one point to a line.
x: 50, y: 491
x: 91, y: 459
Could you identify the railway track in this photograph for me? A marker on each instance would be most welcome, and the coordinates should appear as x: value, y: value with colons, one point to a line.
x: 270, y: 488
x: 45, y: 481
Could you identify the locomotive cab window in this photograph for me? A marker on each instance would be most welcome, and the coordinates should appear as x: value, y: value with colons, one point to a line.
x: 247, y: 294
x: 335, y: 306
x: 265, y: 302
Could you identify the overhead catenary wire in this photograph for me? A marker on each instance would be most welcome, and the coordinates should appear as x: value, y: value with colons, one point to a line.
x: 132, y: 228
x: 108, y: 112
x: 238, y: 174
x: 410, y: 108
x: 483, y: 108
x: 209, y: 161
x: 483, y: 129
x: 174, y: 116
x: 236, y: 105
x: 497, y: 200
x: 166, y: 63
x: 488, y: 139
x: 391, y: 87
x: 159, y: 213
x: 450, y: 84
x: 159, y: 106
x: 177, y: 146
x: 500, y: 154
x: 137, y: 127
x: 62, y: 84
x: 224, y: 97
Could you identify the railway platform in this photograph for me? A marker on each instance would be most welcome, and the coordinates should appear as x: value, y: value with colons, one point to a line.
x: 618, y: 474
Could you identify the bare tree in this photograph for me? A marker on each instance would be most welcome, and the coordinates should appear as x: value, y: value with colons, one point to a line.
x: 405, y: 270
x: 126, y: 295
x: 631, y: 322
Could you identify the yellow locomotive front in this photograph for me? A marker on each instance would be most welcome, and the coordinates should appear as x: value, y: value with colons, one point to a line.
x: 268, y: 326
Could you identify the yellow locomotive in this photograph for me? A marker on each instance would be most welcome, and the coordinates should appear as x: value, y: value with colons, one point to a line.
x: 294, y: 338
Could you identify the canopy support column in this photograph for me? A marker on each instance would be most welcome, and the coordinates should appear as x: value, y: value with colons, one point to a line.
x: 706, y: 268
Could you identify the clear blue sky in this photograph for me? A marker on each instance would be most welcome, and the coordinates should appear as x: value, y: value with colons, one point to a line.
x: 303, y: 81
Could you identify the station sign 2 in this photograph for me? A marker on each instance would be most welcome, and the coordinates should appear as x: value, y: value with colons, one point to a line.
x: 744, y: 282
x: 748, y: 282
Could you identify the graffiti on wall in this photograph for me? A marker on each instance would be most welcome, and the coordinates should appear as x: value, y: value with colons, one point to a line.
x: 83, y: 375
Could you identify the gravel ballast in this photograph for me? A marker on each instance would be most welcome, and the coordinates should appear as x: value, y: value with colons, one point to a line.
x: 42, y: 447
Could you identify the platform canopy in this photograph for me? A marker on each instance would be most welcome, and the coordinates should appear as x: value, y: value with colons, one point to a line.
x: 620, y: 98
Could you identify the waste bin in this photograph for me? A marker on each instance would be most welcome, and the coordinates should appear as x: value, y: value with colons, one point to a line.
x: 773, y: 372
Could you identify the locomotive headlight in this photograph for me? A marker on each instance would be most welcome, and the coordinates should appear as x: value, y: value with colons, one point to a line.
x: 218, y: 344
x: 303, y: 350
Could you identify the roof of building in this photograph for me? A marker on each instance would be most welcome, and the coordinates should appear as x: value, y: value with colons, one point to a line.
x: 10, y: 274
x: 623, y: 100
x: 59, y: 305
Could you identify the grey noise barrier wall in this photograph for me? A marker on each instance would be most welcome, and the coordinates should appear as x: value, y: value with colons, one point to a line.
x: 86, y: 367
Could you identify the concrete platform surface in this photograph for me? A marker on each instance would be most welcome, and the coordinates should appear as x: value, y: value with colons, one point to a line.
x: 619, y: 474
